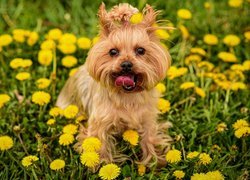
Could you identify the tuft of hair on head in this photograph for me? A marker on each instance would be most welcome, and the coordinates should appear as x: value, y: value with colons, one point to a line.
x: 119, y: 16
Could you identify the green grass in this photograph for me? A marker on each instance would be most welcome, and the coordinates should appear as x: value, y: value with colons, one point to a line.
x: 194, y: 119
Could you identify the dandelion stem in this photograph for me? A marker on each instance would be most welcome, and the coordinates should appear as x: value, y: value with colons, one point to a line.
x: 21, y: 141
x: 53, y: 75
x: 40, y: 112
x: 244, y: 146
x: 226, y: 102
x: 24, y: 90
x: 34, y: 173
x: 133, y: 150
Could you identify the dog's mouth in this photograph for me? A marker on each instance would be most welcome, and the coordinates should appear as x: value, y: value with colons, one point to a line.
x: 130, y: 82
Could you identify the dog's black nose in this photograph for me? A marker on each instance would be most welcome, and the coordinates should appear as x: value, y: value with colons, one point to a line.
x: 126, y: 66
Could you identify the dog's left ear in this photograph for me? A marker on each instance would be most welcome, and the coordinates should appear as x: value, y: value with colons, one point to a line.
x: 104, y: 21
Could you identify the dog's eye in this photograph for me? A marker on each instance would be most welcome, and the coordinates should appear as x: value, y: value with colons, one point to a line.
x: 113, y: 52
x: 140, y: 51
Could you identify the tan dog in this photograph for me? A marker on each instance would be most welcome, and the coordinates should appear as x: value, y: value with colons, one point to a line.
x: 115, y: 87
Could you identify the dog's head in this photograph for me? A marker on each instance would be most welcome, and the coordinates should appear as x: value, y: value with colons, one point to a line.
x: 128, y: 57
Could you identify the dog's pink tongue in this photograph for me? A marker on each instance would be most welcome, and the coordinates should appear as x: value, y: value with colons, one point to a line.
x: 124, y: 81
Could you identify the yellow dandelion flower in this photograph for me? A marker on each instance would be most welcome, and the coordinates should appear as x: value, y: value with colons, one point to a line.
x: 199, y: 176
x: 247, y: 35
x: 5, y: 40
x: 95, y: 40
x: 210, y: 39
x: 242, y: 132
x: 131, y: 136
x: 69, y: 61
x: 187, y: 85
x: 68, y: 38
x: 162, y: 34
x: 184, y: 14
x: 48, y: 45
x: 81, y: 118
x: 240, y: 123
x: 55, y: 111
x: 57, y: 164
x: 23, y: 76
x: 237, y: 67
x: 84, y: 43
x: 235, y: 3
x: 45, y: 57
x: 227, y: 57
x: 223, y: 84
x: 6, y: 143
x: 16, y: 63
x: 246, y: 65
x: 204, y: 158
x: 231, y: 40
x: 173, y: 156
x: 219, y: 76
x: 179, y: 174
x: 163, y: 105
x: 216, y: 147
x: 90, y: 159
x: 19, y: 62
x: 66, y: 139
x: 19, y: 35
x: 192, y: 58
x: 214, y: 175
x: 141, y: 169
x: 67, y: 48
x: 43, y: 83
x: 70, y: 112
x: 207, y: 5
x: 161, y: 87
x: 51, y: 122
x: 54, y: 34
x: 209, y: 66
x: 4, y: 98
x: 200, y: 92
x: 197, y: 50
x: 33, y: 38
x: 41, y: 98
x: 109, y: 172
x: 184, y: 32
x: 136, y: 18
x: 73, y: 71
x: 91, y: 144
x: 174, y: 72
x: 26, y: 63
x: 70, y: 129
x: 192, y: 155
x: 235, y: 86
x: 29, y: 160
x: 221, y: 127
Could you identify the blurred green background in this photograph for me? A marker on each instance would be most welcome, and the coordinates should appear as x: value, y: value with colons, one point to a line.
x: 79, y: 16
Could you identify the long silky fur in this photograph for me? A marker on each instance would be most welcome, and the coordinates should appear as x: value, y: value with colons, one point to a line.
x: 110, y: 110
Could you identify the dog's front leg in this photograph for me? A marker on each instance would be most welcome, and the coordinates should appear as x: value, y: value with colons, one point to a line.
x: 102, y: 132
x: 153, y: 143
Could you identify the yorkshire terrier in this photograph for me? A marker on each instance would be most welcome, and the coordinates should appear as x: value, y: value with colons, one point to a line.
x: 116, y: 85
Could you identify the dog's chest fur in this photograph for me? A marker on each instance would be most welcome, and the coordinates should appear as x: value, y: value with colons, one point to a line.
x: 117, y: 110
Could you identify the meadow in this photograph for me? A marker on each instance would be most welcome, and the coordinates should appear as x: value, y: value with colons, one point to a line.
x: 205, y: 94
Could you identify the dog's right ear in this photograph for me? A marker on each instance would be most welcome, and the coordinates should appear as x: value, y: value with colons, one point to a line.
x: 104, y: 21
